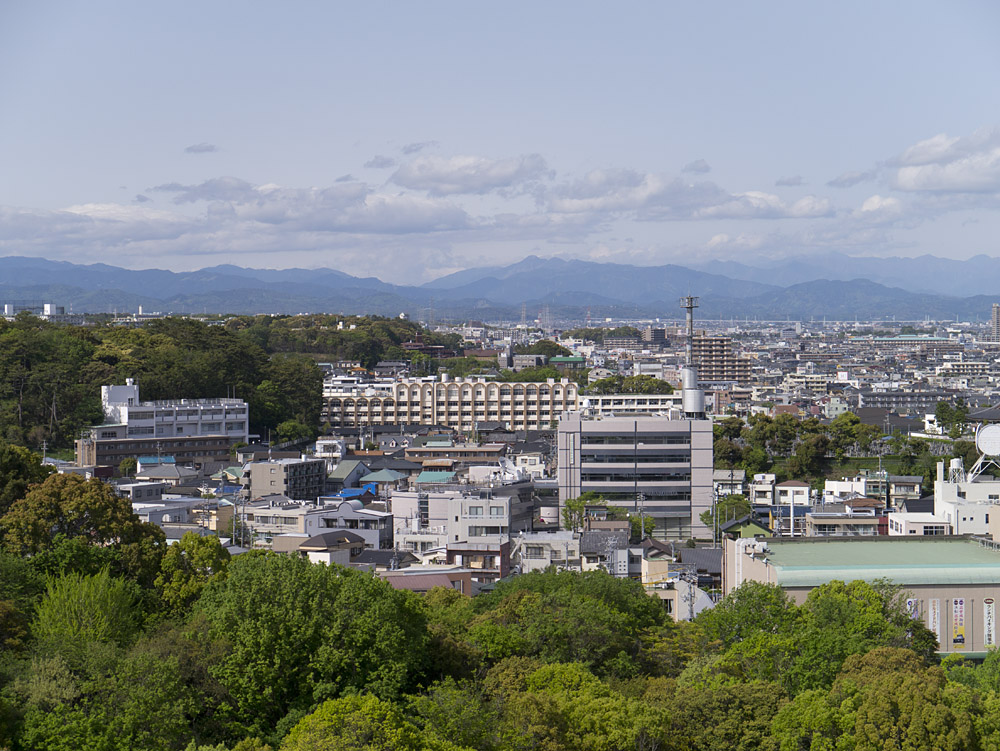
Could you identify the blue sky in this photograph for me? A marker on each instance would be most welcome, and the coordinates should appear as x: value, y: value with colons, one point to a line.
x: 408, y: 140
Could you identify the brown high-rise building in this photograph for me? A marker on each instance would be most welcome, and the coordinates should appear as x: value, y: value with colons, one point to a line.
x: 716, y: 360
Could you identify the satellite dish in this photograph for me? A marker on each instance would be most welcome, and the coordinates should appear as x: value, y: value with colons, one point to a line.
x: 988, y: 440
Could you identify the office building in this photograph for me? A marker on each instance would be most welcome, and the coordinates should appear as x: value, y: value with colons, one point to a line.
x: 659, y: 467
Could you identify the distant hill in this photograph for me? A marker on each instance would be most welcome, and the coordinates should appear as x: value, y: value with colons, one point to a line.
x: 928, y: 274
x: 569, y: 288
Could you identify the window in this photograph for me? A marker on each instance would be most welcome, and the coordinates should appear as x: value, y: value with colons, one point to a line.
x: 475, y: 510
x: 496, y: 510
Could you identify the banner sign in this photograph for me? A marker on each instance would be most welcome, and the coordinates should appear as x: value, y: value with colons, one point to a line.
x: 934, y: 618
x: 989, y: 622
x: 913, y: 607
x: 958, y: 623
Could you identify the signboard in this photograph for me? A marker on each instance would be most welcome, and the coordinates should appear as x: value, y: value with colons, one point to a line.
x: 934, y: 618
x: 913, y: 607
x: 989, y: 622
x: 958, y: 623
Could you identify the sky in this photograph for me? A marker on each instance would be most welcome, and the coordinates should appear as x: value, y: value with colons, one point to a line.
x: 409, y: 140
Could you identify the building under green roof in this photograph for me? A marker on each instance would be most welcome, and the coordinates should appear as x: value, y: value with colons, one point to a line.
x: 811, y: 561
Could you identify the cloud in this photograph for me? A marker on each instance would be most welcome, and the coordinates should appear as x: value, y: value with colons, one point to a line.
x: 414, y: 148
x: 789, y: 182
x: 699, y: 166
x: 943, y: 164
x: 345, y: 179
x: 758, y: 205
x: 140, y: 198
x: 216, y: 189
x: 850, y: 179
x: 653, y: 197
x: 201, y: 148
x: 380, y: 162
x: 469, y: 174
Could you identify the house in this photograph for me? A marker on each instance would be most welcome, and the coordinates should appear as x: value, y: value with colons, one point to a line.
x: 791, y: 493
x: 347, y: 475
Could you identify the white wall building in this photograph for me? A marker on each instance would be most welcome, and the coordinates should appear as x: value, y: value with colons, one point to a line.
x: 170, y: 418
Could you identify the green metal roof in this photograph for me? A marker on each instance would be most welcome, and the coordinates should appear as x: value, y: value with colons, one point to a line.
x: 344, y: 469
x: 905, y: 561
x: 383, y: 475
x: 430, y: 476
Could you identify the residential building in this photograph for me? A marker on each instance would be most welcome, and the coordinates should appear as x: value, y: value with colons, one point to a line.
x: 762, y: 489
x: 536, y: 551
x: 717, y: 360
x: 728, y: 482
x: 272, y: 516
x: 791, y: 493
x: 458, y: 404
x: 658, y: 466
x: 299, y: 479
x: 427, y: 520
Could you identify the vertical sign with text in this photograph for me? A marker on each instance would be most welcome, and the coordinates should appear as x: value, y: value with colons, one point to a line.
x: 934, y: 618
x: 989, y: 622
x: 958, y: 623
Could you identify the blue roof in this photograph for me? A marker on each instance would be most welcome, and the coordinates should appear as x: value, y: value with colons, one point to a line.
x: 369, y: 487
x: 154, y: 460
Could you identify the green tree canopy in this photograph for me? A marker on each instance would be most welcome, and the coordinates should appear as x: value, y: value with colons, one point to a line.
x: 299, y: 632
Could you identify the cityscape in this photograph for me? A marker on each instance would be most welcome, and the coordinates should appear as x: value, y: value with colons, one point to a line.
x: 454, y: 377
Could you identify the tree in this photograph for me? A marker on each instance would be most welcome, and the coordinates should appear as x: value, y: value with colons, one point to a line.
x: 574, y: 509
x: 728, y: 507
x: 885, y: 699
x: 563, y: 616
x: 19, y: 469
x: 749, y: 609
x: 356, y: 723
x: 187, y: 566
x: 298, y: 633
x: 545, y: 347
x: 640, y: 384
x: 77, y: 611
x: 69, y: 506
x: 809, y: 456
x: 843, y: 433
x: 727, y: 454
x: 127, y: 466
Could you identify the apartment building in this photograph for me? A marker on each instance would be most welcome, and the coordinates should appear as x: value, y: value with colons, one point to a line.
x: 429, y: 520
x: 662, y: 465
x: 717, y: 360
x: 458, y: 404
x: 299, y: 479
x: 276, y: 516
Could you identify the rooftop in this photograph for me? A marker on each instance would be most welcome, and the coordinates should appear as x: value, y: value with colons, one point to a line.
x: 905, y: 561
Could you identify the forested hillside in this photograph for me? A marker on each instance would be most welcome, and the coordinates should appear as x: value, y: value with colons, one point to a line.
x: 51, y: 374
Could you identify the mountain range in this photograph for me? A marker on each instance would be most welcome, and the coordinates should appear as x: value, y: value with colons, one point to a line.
x: 833, y: 286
